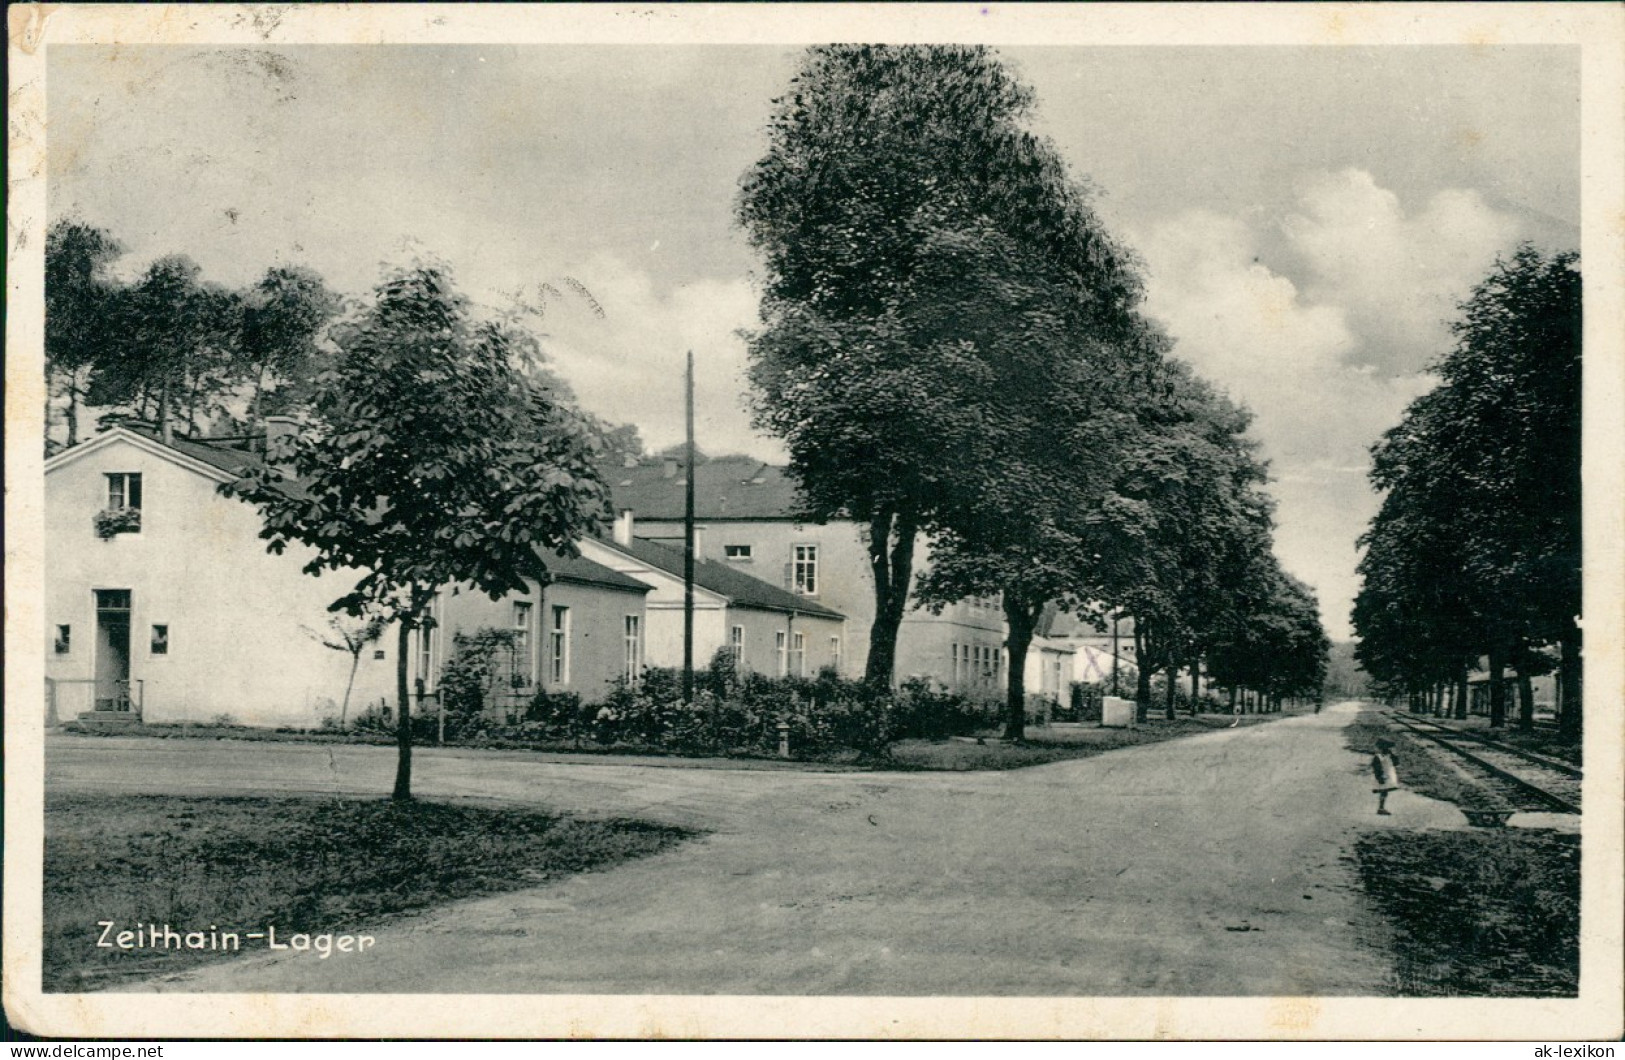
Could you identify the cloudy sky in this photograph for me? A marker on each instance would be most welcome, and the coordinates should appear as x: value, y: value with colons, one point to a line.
x: 1307, y: 218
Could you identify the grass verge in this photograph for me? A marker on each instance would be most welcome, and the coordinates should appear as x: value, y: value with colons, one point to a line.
x: 1479, y: 913
x: 1054, y: 743
x: 303, y: 865
x: 1043, y: 744
x: 1421, y: 768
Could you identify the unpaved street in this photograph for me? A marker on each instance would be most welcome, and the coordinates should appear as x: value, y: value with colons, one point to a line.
x: 1201, y: 866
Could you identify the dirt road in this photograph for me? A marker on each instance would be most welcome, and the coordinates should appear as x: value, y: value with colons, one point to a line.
x: 1202, y: 866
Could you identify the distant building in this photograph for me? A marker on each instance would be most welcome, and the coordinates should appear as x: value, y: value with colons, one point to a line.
x: 768, y: 630
x: 583, y: 632
x: 745, y: 521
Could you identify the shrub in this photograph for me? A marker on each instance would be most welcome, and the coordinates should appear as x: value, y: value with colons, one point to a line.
x: 479, y: 661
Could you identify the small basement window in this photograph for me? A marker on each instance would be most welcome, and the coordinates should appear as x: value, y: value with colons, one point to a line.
x: 160, y: 640
x: 64, y: 639
x: 736, y: 551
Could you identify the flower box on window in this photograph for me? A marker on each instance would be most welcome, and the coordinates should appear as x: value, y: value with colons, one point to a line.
x: 113, y: 521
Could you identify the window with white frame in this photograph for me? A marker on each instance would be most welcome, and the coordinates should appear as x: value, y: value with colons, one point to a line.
x: 736, y: 552
x: 523, y: 618
x: 736, y: 645
x: 804, y: 569
x: 835, y: 654
x: 798, y: 653
x: 634, y: 647
x: 558, y: 665
x: 779, y: 647
x: 124, y: 490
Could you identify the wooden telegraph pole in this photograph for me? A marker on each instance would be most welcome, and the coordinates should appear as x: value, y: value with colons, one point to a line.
x: 688, y: 545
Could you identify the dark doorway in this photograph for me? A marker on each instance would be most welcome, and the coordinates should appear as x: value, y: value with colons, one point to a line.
x: 112, y: 649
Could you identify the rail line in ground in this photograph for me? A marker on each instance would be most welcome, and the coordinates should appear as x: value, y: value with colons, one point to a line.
x: 1552, y: 784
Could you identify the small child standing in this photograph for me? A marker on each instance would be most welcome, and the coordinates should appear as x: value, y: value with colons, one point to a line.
x: 1387, y: 774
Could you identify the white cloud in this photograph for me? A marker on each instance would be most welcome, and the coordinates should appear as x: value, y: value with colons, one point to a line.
x: 1375, y: 288
x: 628, y: 364
x: 1399, y: 277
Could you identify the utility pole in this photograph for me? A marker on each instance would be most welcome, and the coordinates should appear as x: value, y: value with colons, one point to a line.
x: 688, y: 545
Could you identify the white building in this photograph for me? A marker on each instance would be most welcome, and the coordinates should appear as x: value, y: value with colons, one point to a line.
x: 161, y: 598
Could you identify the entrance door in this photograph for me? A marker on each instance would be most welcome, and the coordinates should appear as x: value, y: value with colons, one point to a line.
x: 112, y: 649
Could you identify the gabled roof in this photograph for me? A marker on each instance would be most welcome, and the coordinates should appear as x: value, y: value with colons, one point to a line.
x: 740, y: 588
x: 218, y: 464
x: 729, y: 487
x: 581, y: 570
x: 224, y: 462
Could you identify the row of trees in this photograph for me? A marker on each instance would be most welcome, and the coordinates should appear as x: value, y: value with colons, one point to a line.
x: 169, y: 346
x: 1475, y: 552
x: 952, y: 350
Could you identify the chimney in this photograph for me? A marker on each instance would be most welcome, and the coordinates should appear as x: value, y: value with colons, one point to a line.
x: 623, y: 527
x: 669, y: 468
x: 279, y: 429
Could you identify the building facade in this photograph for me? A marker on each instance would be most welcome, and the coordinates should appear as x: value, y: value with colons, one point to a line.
x: 744, y: 512
x: 161, y: 598
x: 766, y: 629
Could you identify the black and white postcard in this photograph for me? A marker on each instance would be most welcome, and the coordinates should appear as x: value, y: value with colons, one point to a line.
x: 815, y: 521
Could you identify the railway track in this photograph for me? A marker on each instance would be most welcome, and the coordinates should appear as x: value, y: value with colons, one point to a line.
x: 1520, y: 776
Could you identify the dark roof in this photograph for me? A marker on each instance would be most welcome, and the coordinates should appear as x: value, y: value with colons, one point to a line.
x: 583, y: 570
x: 217, y: 453
x: 728, y: 487
x: 740, y: 588
x: 229, y: 458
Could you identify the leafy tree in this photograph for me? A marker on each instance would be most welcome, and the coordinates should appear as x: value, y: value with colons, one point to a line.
x: 173, y: 347
x: 283, y: 318
x: 1476, y: 549
x: 432, y: 462
x: 78, y: 296
x: 891, y: 174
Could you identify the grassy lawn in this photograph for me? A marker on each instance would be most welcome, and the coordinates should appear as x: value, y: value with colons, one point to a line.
x: 302, y: 864
x: 1054, y: 743
x: 1479, y: 913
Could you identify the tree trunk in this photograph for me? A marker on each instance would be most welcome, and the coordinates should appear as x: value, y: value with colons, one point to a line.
x: 1168, y: 713
x: 891, y: 559
x: 1196, y: 684
x: 349, y: 686
x: 1142, y: 681
x: 1232, y: 699
x: 1021, y: 619
x: 1461, y: 694
x: 164, y: 432
x: 403, y: 713
x: 1498, y: 690
x: 1569, y: 720
x: 1526, y: 701
x: 73, y: 408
